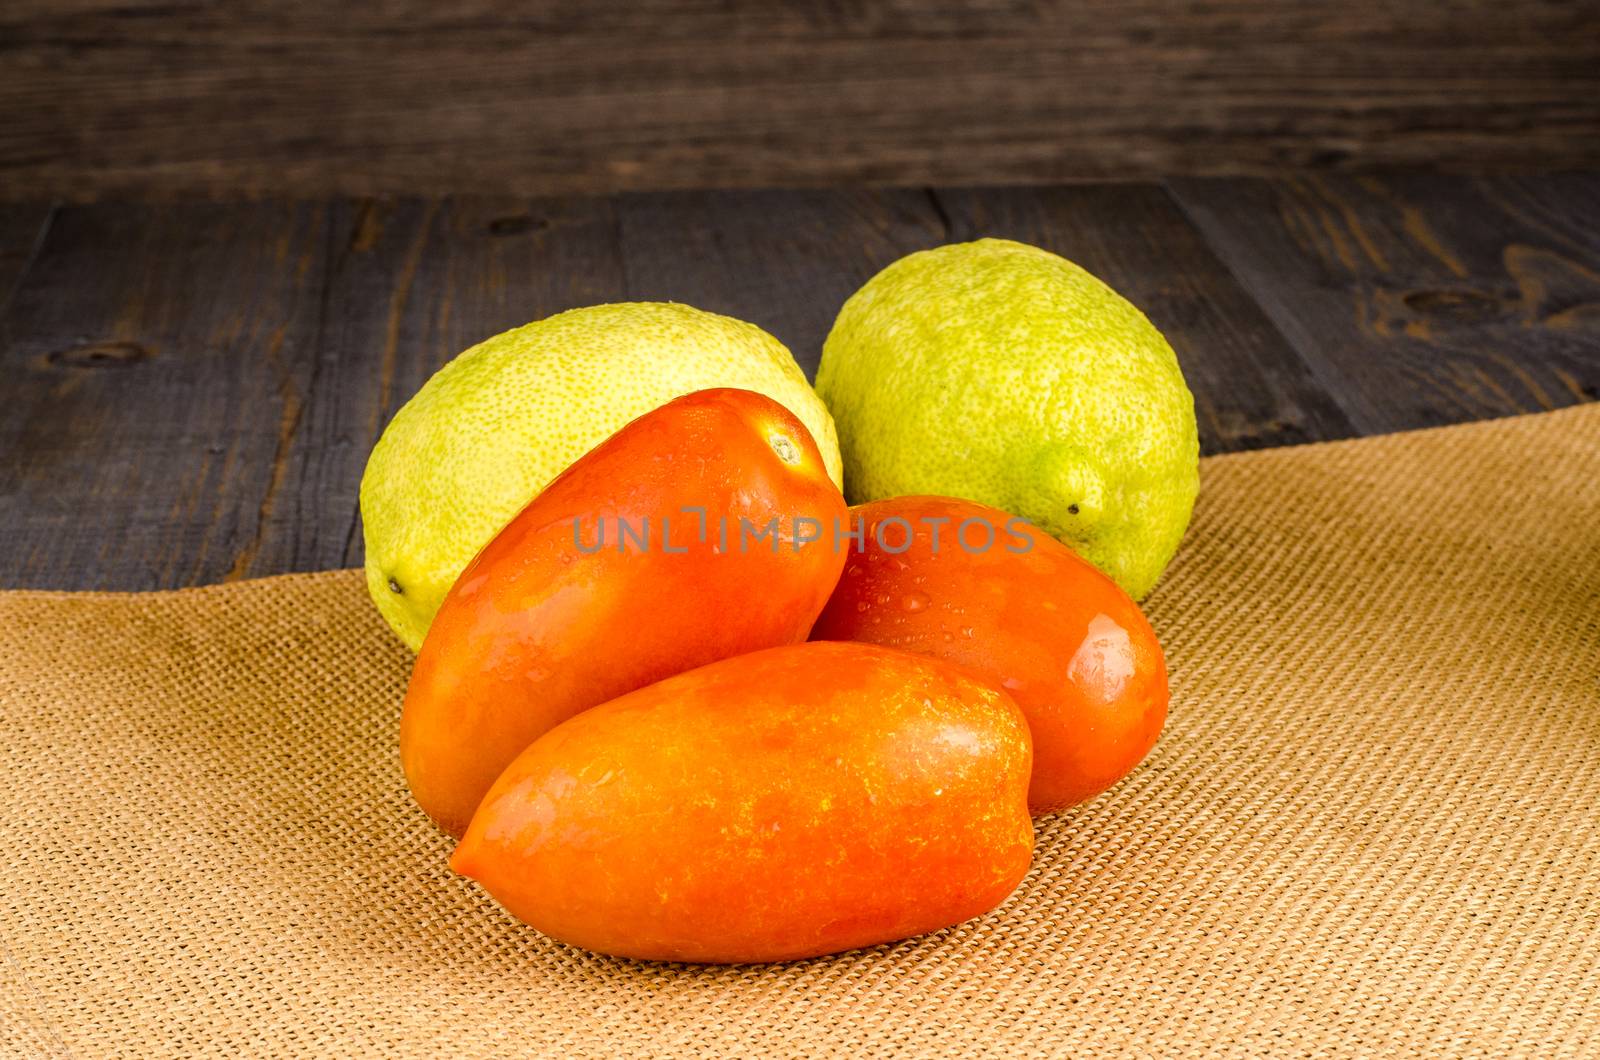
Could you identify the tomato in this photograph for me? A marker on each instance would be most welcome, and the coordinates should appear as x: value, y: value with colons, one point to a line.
x: 677, y: 541
x: 784, y: 804
x: 976, y: 586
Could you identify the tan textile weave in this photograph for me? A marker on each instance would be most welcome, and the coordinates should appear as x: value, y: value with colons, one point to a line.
x: 1372, y: 826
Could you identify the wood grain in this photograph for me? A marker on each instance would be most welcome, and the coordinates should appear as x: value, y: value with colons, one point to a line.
x: 22, y: 230
x: 395, y: 96
x: 784, y: 260
x: 191, y: 389
x: 1422, y: 300
x: 157, y: 369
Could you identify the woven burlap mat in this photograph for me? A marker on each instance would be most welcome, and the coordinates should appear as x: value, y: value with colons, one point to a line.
x: 1372, y: 826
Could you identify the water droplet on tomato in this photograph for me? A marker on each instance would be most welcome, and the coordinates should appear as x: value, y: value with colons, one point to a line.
x: 915, y: 601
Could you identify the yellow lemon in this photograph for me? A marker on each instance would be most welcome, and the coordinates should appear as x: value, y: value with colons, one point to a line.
x: 496, y: 424
x: 1005, y: 374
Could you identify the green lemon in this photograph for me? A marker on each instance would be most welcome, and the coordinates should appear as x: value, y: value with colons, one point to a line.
x: 495, y: 425
x: 1005, y: 374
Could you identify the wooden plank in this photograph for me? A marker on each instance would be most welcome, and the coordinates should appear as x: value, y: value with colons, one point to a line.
x: 22, y: 229
x: 783, y: 260
x: 1251, y: 388
x: 192, y: 390
x: 398, y: 97
x: 1421, y: 299
x: 156, y: 365
x: 198, y: 387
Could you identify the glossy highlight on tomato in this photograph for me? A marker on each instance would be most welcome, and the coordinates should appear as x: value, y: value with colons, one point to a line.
x: 1025, y: 612
x: 788, y: 803
x: 551, y: 619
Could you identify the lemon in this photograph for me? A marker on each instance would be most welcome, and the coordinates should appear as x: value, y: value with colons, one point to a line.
x: 1007, y: 375
x: 496, y: 424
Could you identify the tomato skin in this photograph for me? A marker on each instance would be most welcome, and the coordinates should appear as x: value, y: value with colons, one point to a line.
x: 1071, y: 648
x: 785, y: 804
x: 536, y: 629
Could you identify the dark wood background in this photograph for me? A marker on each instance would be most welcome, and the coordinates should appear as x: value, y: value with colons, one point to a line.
x: 191, y: 387
x: 235, y: 237
x: 306, y: 98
